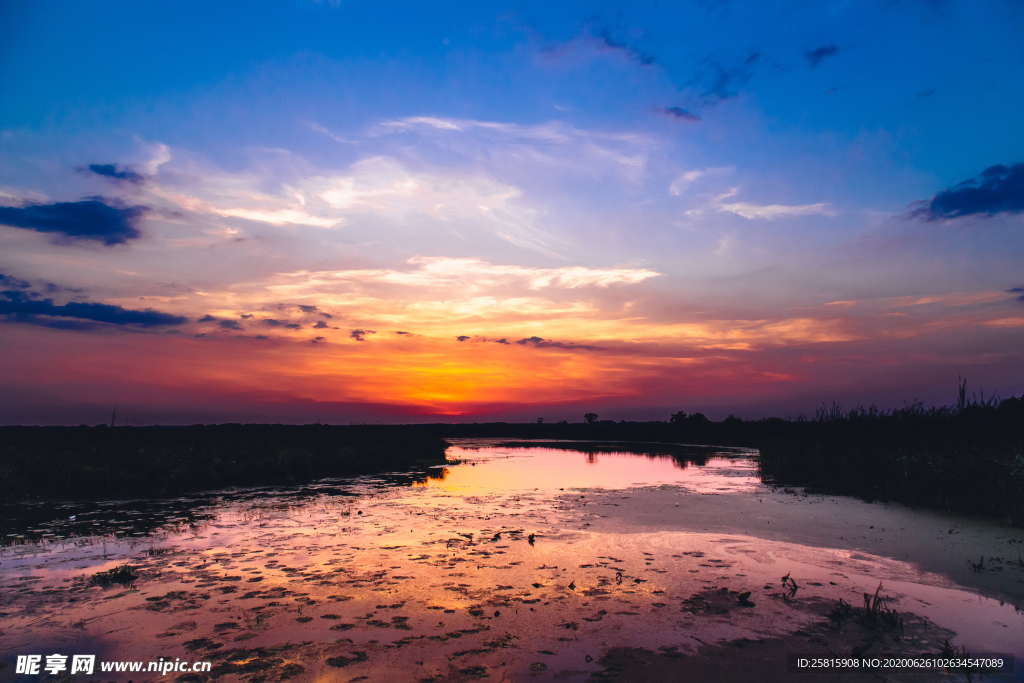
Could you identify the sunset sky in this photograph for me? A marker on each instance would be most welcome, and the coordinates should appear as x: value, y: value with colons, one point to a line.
x: 389, y: 212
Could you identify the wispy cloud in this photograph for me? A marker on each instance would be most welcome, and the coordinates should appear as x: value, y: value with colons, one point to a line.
x: 681, y: 113
x: 683, y: 181
x: 752, y: 211
x: 476, y: 274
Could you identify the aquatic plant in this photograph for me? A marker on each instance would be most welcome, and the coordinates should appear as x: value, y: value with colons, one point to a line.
x: 123, y: 574
x: 876, y: 613
x: 790, y: 586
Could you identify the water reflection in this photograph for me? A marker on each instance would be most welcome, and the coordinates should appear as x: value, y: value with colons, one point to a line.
x: 552, y: 466
x: 522, y: 560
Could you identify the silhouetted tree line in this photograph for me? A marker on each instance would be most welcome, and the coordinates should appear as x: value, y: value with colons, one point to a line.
x: 82, y: 462
x: 967, y: 458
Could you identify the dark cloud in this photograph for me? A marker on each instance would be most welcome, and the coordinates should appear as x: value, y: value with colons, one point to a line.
x: 307, y: 308
x: 501, y: 341
x: 999, y: 189
x: 680, y: 113
x: 723, y: 83
x: 1019, y: 291
x: 360, y: 335
x: 245, y: 316
x: 26, y: 306
x: 273, y: 322
x: 402, y: 332
x: 9, y: 282
x: 116, y: 172
x: 90, y: 219
x: 318, y: 340
x: 223, y: 324
x: 463, y: 337
x: 541, y: 342
x: 819, y: 54
x: 608, y: 43
x: 320, y: 325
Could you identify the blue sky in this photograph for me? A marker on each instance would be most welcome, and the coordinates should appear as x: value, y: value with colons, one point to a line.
x: 756, y: 178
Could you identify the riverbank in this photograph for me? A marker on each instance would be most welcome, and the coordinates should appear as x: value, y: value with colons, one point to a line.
x: 134, y: 462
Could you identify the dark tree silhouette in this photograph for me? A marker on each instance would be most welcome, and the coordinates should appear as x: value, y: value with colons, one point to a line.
x: 590, y: 418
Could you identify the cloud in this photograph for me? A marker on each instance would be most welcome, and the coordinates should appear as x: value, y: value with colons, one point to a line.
x: 9, y: 281
x: 318, y: 340
x: 599, y: 42
x: 441, y: 293
x: 159, y: 154
x: 229, y: 324
x: 685, y: 179
x: 817, y: 55
x: 117, y: 173
x: 680, y: 113
x: 90, y: 219
x: 1018, y: 291
x: 323, y: 130
x: 533, y: 342
x: 999, y: 189
x: 26, y: 306
x: 403, y: 332
x: 207, y: 319
x: 722, y: 83
x: 607, y: 43
x: 277, y: 216
x: 521, y: 148
x: 308, y: 308
x: 769, y: 211
x: 540, y: 342
x: 273, y: 322
x: 440, y: 271
x: 320, y: 325
x: 470, y: 180
x: 360, y: 335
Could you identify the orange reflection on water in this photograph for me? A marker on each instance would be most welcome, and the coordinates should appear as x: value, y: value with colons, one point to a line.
x: 557, y: 468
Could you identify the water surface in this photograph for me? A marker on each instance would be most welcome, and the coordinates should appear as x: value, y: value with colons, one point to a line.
x: 514, y: 561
